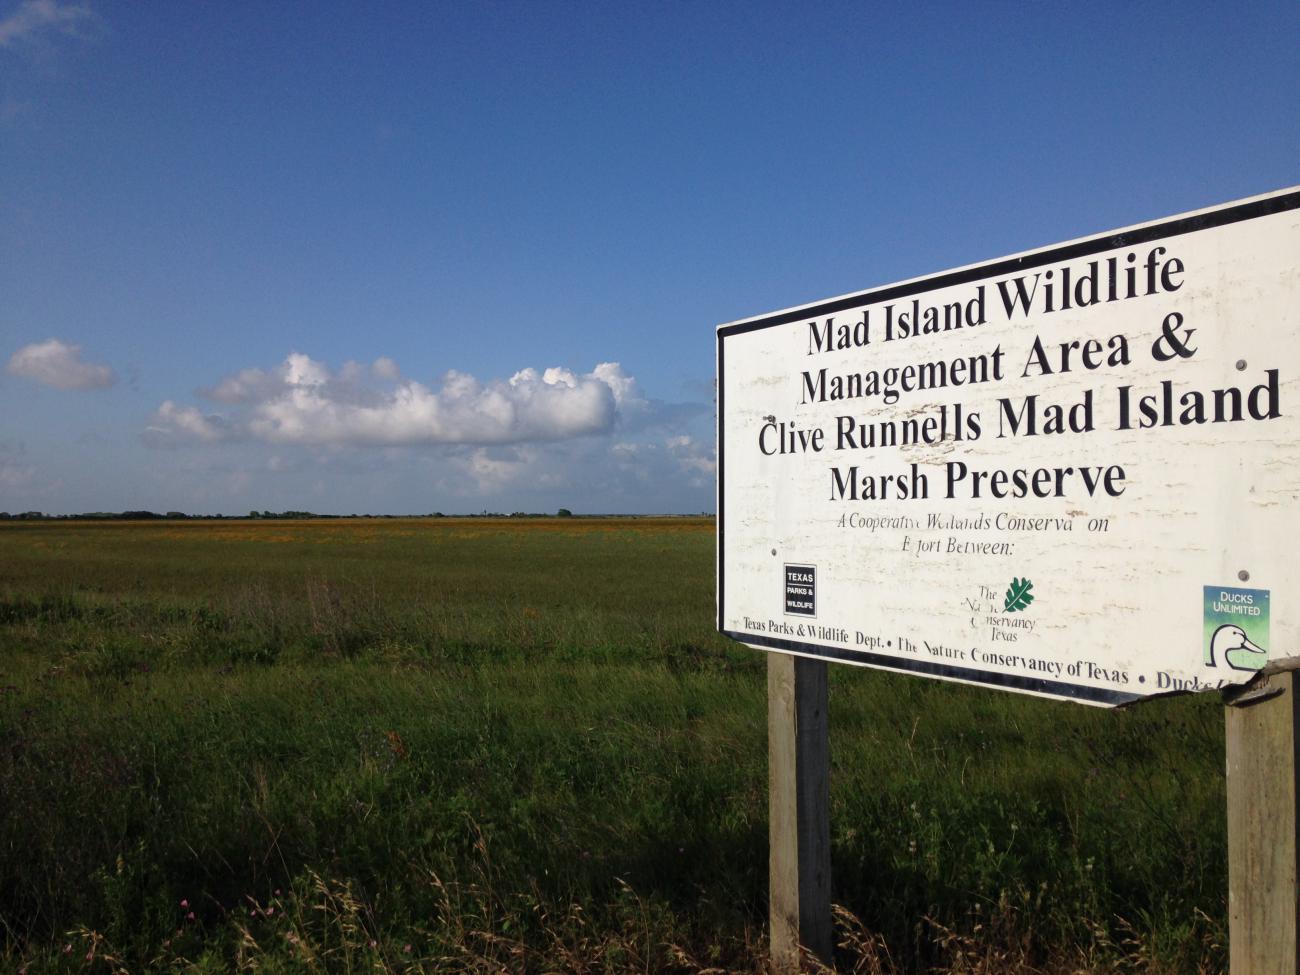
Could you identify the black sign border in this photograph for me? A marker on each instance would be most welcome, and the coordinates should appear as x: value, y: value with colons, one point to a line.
x: 1207, y: 220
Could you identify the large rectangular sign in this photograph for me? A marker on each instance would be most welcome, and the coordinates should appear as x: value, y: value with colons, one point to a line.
x: 1073, y: 472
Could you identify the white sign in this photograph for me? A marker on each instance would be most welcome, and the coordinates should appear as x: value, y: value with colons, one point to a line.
x: 1074, y: 472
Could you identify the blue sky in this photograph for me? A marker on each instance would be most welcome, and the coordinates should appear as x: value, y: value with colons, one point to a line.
x: 416, y: 257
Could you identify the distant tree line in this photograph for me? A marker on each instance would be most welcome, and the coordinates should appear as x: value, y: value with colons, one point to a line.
x: 110, y: 516
x: 278, y: 515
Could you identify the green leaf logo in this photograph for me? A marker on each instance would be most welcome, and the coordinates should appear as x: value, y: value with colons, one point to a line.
x: 1018, y: 596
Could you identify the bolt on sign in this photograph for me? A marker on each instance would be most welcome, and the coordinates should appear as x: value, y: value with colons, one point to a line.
x: 1071, y: 472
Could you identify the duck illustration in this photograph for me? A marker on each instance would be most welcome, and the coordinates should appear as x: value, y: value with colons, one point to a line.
x: 1231, y: 643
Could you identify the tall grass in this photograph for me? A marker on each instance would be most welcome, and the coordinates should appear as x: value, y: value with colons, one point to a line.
x: 475, y: 746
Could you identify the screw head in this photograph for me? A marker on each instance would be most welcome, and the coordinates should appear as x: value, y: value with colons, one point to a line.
x: 1241, y: 364
x: 1243, y: 575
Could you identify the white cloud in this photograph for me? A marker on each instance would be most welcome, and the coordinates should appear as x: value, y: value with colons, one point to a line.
x: 303, y: 401
x: 541, y: 439
x: 494, y: 470
x: 605, y: 474
x: 681, y: 458
x: 623, y: 385
x: 246, y: 386
x: 698, y: 461
x: 180, y: 424
x: 59, y: 364
x: 36, y: 16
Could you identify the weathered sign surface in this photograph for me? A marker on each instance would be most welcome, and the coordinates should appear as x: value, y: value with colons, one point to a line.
x: 1073, y: 472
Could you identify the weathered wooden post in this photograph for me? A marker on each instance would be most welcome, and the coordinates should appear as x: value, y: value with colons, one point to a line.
x: 1263, y: 832
x: 799, y: 827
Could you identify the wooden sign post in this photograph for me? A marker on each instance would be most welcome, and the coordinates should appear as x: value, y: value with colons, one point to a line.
x: 1263, y: 831
x: 799, y: 823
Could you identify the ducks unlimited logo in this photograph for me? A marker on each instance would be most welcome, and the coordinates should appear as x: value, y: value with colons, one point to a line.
x: 1236, y: 627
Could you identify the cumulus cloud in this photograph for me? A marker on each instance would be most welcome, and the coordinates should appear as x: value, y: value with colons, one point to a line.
x: 541, y: 439
x: 35, y: 17
x: 177, y: 424
x: 60, y: 365
x: 245, y: 386
x: 303, y: 401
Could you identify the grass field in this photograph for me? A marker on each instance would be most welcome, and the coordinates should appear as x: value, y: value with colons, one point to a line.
x: 470, y: 745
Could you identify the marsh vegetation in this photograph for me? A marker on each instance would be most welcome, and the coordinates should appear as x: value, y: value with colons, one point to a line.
x: 477, y: 745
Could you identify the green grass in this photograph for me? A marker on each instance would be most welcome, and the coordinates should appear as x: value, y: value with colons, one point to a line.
x: 463, y: 745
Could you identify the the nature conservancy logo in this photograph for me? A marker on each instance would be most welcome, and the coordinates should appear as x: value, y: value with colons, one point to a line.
x: 800, y: 590
x: 1019, y: 595
x: 1236, y: 627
